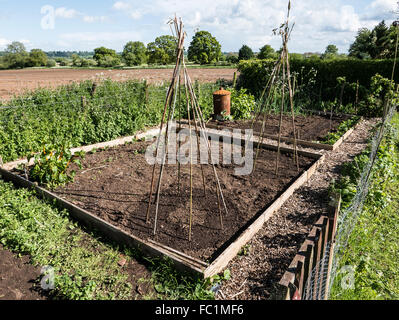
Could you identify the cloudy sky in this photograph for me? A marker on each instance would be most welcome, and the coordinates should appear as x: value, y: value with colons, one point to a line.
x: 85, y: 25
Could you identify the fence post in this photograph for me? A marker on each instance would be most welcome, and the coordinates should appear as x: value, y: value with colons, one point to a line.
x: 316, y: 259
x: 334, y: 208
x: 324, y: 236
x: 308, y: 266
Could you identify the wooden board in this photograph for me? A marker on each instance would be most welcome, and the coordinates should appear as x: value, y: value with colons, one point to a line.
x: 305, y: 143
x: 231, y: 251
x: 182, y: 261
x: 113, y: 143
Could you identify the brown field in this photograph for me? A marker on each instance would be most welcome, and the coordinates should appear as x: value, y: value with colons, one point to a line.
x: 16, y: 81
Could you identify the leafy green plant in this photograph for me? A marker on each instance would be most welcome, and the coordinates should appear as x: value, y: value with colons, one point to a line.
x: 373, y: 244
x: 333, y: 137
x: 242, y: 104
x: 51, y: 165
x: 84, y: 267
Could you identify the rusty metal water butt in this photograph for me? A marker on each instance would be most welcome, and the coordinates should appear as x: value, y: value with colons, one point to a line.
x: 221, y: 103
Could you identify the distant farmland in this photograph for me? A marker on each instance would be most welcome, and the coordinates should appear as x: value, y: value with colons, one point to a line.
x: 16, y: 81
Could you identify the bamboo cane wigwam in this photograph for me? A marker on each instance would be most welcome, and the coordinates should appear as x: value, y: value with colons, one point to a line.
x: 173, y: 95
x: 281, y: 70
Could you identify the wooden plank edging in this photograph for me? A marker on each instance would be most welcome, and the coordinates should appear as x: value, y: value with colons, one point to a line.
x: 328, y: 235
x: 228, y: 254
x: 109, y: 230
x: 182, y: 261
x: 113, y: 143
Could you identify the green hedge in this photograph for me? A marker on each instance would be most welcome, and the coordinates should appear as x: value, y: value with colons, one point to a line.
x: 318, y: 78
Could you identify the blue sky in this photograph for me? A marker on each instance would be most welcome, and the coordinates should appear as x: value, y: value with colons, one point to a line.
x: 85, y: 25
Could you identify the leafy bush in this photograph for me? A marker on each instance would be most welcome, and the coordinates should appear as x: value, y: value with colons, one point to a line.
x: 321, y: 75
x: 75, y: 115
x: 51, y: 165
x: 343, y: 127
x: 242, y: 104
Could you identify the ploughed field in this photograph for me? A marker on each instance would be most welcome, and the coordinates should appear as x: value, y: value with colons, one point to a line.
x: 114, y: 184
x: 16, y: 81
x: 308, y: 127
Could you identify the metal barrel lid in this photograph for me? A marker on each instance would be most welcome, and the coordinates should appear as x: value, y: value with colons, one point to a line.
x: 222, y: 92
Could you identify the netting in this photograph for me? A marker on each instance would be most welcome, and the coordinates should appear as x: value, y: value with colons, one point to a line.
x: 320, y: 280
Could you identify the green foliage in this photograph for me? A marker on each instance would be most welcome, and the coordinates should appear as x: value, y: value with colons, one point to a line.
x: 174, y: 285
x: 378, y: 43
x: 53, y: 117
x: 84, y: 267
x: 267, y: 52
x: 232, y: 58
x: 51, y: 165
x: 134, y: 53
x: 374, y: 241
x: 37, y: 58
x: 16, y: 56
x: 51, y: 63
x: 319, y: 77
x: 106, y: 57
x: 331, y: 52
x: 343, y: 127
x: 204, y: 48
x: 242, y: 104
x: 245, y: 53
x: 381, y: 92
x: 162, y: 50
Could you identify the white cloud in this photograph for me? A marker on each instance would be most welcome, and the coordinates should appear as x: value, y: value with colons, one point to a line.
x: 136, y: 14
x: 4, y: 42
x: 120, y: 5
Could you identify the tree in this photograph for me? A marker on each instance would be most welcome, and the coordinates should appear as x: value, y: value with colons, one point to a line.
x: 331, y: 52
x: 378, y: 43
x: 134, y: 53
x: 245, y: 53
x: 232, y: 58
x: 37, y: 58
x: 361, y: 47
x: 379, y: 39
x: 266, y: 52
x: 106, y: 57
x: 162, y: 50
x: 204, y: 48
x: 16, y: 55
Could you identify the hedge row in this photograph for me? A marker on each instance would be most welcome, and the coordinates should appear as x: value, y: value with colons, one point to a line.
x: 319, y: 77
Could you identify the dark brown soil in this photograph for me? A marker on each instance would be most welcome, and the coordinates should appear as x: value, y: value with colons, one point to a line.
x: 310, y: 128
x: 114, y: 184
x: 17, y: 277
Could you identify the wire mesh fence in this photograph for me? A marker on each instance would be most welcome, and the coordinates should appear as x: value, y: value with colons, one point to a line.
x: 325, y: 273
x: 316, y: 267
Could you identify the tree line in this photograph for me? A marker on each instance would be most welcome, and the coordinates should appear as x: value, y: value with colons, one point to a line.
x: 378, y: 43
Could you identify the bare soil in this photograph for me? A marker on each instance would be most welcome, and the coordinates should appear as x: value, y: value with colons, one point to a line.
x: 17, y: 277
x: 114, y: 184
x: 310, y: 127
x: 16, y: 81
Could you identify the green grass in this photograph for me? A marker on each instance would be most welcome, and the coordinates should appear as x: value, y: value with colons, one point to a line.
x: 85, y: 267
x: 373, y: 247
